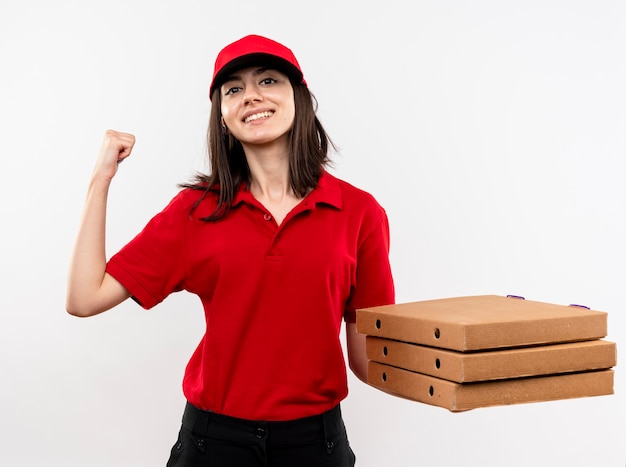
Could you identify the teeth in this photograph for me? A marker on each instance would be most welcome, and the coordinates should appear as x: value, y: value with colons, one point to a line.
x: 257, y: 116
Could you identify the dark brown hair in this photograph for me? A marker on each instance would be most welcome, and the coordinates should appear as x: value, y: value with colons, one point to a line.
x: 308, y: 154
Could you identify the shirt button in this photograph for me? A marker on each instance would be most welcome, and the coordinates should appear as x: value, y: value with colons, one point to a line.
x: 260, y: 433
x: 267, y: 217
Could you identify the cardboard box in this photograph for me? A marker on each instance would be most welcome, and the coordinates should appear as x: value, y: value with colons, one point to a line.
x: 458, y: 397
x: 496, y: 364
x: 482, y: 322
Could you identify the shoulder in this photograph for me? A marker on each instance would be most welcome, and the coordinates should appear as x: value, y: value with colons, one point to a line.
x: 199, y: 201
x: 354, y: 196
x: 191, y: 195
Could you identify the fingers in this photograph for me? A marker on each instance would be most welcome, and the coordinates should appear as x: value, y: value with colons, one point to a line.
x: 116, y: 147
x: 120, y: 143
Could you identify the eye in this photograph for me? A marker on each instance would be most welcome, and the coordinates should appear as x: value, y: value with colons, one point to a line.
x: 232, y: 90
x: 268, y: 80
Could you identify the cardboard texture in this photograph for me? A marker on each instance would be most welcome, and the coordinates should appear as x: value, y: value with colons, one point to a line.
x: 482, y: 322
x: 490, y: 365
x: 458, y: 397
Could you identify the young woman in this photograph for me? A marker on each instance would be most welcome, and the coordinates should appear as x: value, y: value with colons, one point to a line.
x: 279, y: 251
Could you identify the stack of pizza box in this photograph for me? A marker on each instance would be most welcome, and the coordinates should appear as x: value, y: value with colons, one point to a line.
x: 463, y: 353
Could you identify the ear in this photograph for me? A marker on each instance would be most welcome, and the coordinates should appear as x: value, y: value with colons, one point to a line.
x: 224, y: 127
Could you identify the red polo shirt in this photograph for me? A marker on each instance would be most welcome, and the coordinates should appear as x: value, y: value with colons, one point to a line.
x: 273, y: 296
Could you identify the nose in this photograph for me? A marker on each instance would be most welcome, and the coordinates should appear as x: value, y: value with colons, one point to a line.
x: 251, y: 94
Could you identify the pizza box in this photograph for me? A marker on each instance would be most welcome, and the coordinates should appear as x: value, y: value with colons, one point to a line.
x: 493, y: 364
x: 482, y: 322
x: 459, y: 397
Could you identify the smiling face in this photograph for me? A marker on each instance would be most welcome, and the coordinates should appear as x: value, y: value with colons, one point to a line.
x: 257, y: 106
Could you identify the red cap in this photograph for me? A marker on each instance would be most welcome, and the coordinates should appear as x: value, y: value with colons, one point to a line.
x: 254, y: 50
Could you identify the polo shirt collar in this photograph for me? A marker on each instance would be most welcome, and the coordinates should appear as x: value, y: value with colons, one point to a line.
x: 327, y: 191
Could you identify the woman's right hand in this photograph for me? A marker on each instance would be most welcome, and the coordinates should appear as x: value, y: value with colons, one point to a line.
x: 116, y: 147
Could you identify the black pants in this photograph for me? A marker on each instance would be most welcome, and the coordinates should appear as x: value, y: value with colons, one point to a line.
x: 213, y: 440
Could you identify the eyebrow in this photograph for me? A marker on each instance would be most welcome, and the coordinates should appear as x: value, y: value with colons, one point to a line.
x: 258, y: 71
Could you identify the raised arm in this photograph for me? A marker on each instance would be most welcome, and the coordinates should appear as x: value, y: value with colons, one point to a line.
x: 90, y: 290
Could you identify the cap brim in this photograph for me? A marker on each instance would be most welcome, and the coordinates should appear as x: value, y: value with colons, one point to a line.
x: 256, y: 59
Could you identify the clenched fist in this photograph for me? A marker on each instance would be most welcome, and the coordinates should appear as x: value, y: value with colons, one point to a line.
x: 116, y: 147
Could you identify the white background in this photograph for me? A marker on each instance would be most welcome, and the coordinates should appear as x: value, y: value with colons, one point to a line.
x: 493, y: 132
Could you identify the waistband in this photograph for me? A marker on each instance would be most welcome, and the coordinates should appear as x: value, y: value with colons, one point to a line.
x: 206, y: 424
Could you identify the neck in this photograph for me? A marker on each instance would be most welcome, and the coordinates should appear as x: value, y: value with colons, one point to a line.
x: 269, y: 184
x: 269, y: 172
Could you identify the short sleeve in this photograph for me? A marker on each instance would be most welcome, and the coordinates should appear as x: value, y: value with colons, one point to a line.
x: 374, y: 281
x: 153, y: 264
